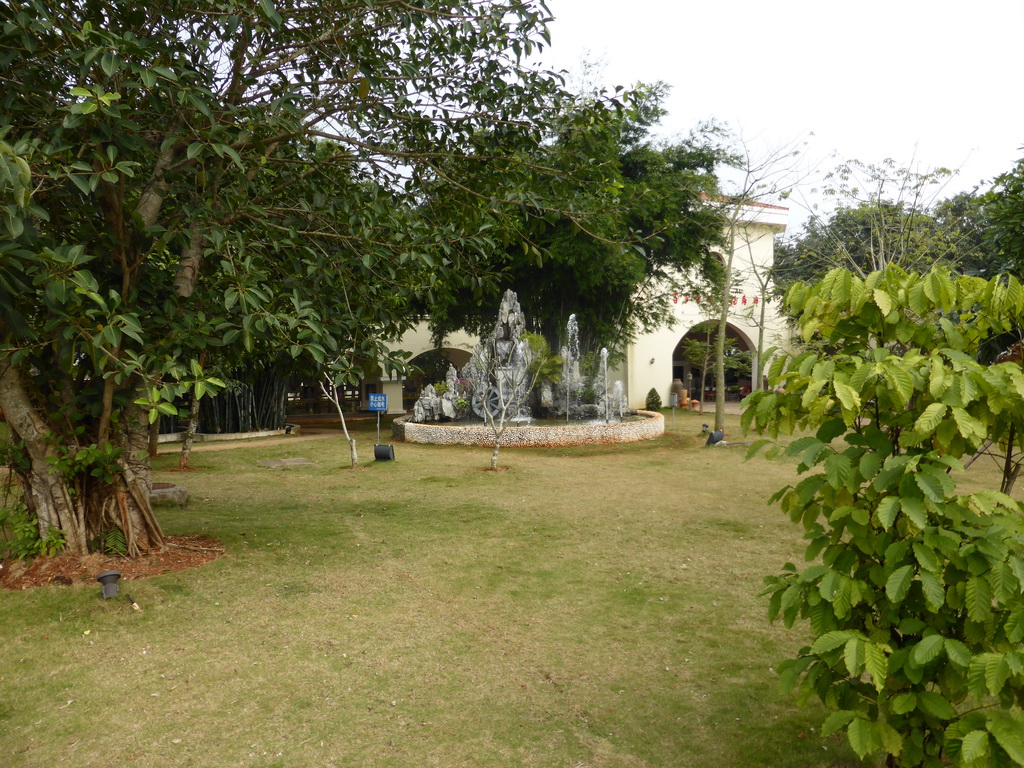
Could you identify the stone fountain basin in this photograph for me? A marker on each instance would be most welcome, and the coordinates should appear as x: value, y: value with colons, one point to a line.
x: 650, y: 426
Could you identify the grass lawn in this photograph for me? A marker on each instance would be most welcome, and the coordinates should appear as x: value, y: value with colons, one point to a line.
x: 588, y: 607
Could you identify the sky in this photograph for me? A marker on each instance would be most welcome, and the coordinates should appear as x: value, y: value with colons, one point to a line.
x: 928, y: 84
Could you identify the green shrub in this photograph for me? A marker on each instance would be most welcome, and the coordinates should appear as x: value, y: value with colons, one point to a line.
x: 21, y: 529
x: 545, y: 366
x: 653, y: 400
x: 914, y: 591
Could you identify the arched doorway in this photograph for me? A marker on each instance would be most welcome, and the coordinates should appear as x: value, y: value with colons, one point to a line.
x: 693, y: 361
x: 433, y: 367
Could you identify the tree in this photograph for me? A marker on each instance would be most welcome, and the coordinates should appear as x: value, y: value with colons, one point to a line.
x: 887, y: 214
x: 917, y: 602
x: 1003, y: 208
x: 613, y: 270
x: 330, y: 390
x: 765, y: 177
x: 240, y: 178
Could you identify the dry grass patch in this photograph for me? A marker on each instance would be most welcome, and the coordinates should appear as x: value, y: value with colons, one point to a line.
x: 590, y: 607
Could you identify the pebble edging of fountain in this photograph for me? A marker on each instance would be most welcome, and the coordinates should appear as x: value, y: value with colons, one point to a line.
x: 651, y: 426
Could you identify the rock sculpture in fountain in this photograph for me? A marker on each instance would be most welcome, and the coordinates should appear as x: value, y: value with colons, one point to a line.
x: 495, y: 387
x: 499, y: 370
x: 496, y: 382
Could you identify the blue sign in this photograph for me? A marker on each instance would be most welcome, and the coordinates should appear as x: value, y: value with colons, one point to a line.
x: 378, y: 401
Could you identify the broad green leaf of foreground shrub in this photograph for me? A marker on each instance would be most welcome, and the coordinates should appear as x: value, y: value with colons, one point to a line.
x: 913, y: 591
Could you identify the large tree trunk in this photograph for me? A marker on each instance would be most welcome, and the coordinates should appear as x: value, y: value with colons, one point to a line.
x: 79, y: 505
x: 143, y: 533
x: 47, y: 494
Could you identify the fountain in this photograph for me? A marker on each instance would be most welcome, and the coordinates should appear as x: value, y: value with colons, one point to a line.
x: 496, y: 388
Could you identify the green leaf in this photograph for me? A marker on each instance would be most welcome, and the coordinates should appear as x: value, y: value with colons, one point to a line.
x: 235, y: 157
x: 898, y: 583
x: 926, y: 557
x: 930, y: 485
x: 970, y: 428
x: 877, y: 664
x: 936, y: 704
x: 80, y: 181
x: 929, y: 420
x: 847, y: 395
x: 903, y: 703
x: 883, y: 301
x: 1009, y: 734
x: 900, y: 380
x: 931, y: 587
x: 892, y: 740
x: 997, y: 671
x: 957, y: 652
x: 830, y: 430
x: 887, y: 510
x: 1014, y: 627
x: 979, y: 599
x: 915, y: 509
x: 830, y: 641
x: 863, y: 736
x: 801, y: 444
x: 854, y: 656
x: 108, y: 63
x: 968, y: 388
x: 1002, y: 581
x: 974, y: 746
x: 869, y: 465
x: 836, y: 721
x: 271, y: 12
x: 837, y: 470
x: 927, y: 650
x: 165, y: 72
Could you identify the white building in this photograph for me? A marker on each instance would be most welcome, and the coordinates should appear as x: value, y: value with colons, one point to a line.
x: 656, y: 358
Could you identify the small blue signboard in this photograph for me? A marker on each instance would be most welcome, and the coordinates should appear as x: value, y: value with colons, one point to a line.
x: 378, y: 401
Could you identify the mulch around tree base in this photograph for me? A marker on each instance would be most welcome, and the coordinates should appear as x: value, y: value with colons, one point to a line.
x: 181, y: 553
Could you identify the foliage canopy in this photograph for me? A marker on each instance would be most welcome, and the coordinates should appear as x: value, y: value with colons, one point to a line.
x: 242, y: 179
x: 651, y: 226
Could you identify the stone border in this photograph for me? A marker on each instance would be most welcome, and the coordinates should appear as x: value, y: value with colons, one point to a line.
x: 546, y: 436
x: 215, y: 437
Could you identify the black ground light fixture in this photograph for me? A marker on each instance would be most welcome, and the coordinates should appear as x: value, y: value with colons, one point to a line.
x: 384, y: 452
x: 716, y: 437
x: 109, y: 581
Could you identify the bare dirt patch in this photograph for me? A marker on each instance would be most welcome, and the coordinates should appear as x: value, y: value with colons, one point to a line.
x: 181, y: 553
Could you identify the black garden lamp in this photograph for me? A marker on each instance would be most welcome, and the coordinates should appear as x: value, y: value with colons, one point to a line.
x: 109, y: 581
